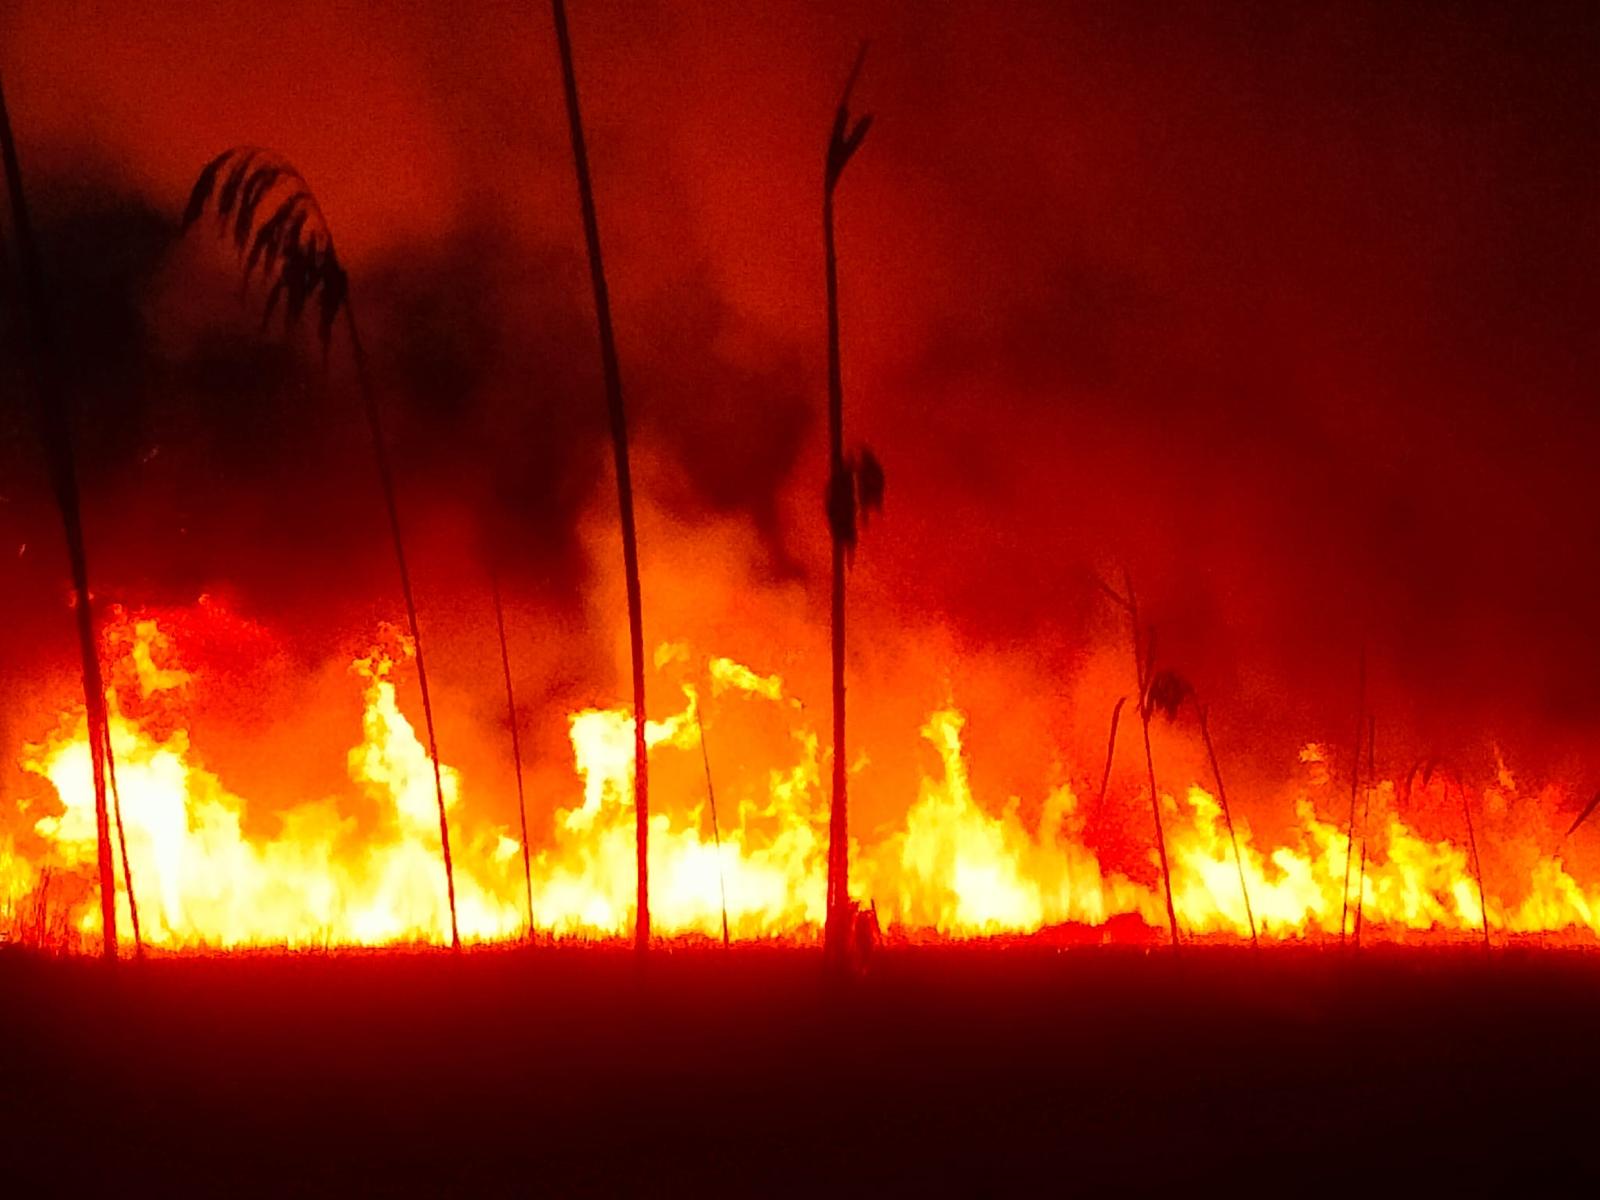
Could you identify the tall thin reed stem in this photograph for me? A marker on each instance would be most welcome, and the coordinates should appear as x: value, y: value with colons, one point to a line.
x: 516, y: 743
x: 1355, y: 783
x: 1143, y: 660
x: 380, y: 450
x: 55, y: 431
x: 1366, y: 816
x: 619, y: 445
x: 716, y: 830
x: 122, y: 843
x: 1477, y: 863
x: 1227, y: 815
x: 843, y: 142
x: 294, y: 249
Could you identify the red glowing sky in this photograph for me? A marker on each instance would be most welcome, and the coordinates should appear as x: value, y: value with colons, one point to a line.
x: 1289, y: 309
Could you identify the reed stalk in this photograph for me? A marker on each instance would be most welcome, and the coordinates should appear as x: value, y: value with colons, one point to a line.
x: 1477, y: 863
x: 293, y: 249
x: 1355, y: 783
x: 1366, y: 815
x: 619, y: 445
x: 716, y: 829
x: 1142, y: 644
x: 1227, y: 816
x: 122, y: 843
x: 516, y: 743
x: 55, y: 432
x: 846, y: 480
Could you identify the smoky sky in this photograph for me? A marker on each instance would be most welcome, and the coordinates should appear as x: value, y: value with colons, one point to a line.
x: 1289, y: 311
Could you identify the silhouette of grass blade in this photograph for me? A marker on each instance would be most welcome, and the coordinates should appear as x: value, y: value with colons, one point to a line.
x: 1584, y: 815
x: 203, y: 187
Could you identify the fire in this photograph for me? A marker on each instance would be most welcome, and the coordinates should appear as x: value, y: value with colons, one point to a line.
x: 200, y: 881
x: 211, y: 873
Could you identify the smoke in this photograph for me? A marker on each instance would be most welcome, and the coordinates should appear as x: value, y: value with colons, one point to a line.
x: 1288, y: 313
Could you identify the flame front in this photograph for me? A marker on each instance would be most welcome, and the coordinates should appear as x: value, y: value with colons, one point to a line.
x: 953, y: 867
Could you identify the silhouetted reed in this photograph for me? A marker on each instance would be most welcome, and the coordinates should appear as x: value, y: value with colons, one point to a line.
x: 1142, y: 642
x: 54, y: 424
x: 855, y: 486
x: 291, y: 247
x: 619, y: 446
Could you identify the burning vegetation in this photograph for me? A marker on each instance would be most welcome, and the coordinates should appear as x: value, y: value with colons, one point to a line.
x: 361, y: 867
x: 728, y: 807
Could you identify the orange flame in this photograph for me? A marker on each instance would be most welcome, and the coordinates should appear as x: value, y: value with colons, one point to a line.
x: 326, y: 875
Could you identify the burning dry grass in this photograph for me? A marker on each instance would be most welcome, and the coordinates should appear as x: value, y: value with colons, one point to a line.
x: 360, y: 867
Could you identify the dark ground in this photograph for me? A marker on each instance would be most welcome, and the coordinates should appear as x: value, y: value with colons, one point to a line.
x: 959, y: 1070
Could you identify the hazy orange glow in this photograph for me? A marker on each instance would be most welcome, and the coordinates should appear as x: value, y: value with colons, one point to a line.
x: 955, y: 865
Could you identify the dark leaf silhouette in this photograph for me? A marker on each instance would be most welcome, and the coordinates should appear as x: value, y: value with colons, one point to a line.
x: 842, y: 505
x: 1168, y: 691
x: 1423, y: 767
x: 869, y: 484
x: 1584, y: 815
x: 203, y: 187
x: 1111, y: 745
x: 854, y: 489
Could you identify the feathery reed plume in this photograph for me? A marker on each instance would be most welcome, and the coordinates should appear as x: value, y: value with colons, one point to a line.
x: 1151, y: 695
x: 55, y: 433
x: 1355, y: 783
x: 854, y: 482
x: 716, y: 829
x: 516, y: 741
x: 619, y: 446
x: 293, y: 250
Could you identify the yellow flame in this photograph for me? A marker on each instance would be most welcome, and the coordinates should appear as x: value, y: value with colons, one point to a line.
x: 952, y: 866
